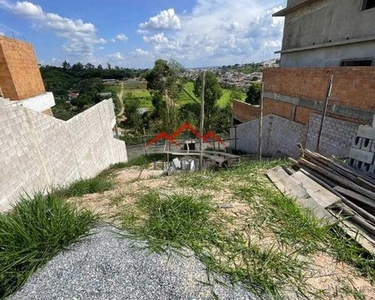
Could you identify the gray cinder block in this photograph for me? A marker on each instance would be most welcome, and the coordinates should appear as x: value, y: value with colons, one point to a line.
x: 362, y: 155
x: 366, y: 132
x: 357, y: 142
x: 366, y: 167
x: 366, y: 144
x: 372, y: 170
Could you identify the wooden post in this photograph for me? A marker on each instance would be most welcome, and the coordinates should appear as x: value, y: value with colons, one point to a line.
x: 261, y: 124
x: 202, y: 120
x: 144, y: 140
x: 324, y: 112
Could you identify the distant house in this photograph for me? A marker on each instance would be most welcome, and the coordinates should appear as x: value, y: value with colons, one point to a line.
x: 110, y: 81
x: 105, y: 94
x: 73, y: 95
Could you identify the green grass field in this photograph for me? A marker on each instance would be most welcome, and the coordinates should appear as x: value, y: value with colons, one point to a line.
x: 225, y: 98
x: 143, y: 95
x: 189, y: 89
x: 186, y: 95
x: 113, y: 88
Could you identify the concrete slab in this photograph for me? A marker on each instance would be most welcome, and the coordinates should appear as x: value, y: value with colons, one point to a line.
x: 362, y: 155
x: 366, y: 132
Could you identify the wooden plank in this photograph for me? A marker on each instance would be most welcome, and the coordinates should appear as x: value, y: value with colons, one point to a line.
x: 289, y: 187
x: 320, y: 194
x: 341, y: 180
x: 356, y: 233
x: 355, y: 196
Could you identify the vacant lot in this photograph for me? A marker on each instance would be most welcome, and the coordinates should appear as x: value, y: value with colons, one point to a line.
x: 234, y: 221
x: 239, y: 226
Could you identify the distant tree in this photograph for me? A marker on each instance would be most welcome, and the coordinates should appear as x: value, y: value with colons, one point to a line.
x: 100, y: 67
x: 89, y: 66
x: 157, y: 77
x: 65, y: 65
x: 190, y: 112
x: 109, y: 67
x: 236, y: 94
x: 133, y: 117
x: 163, y: 82
x: 212, y: 93
x: 81, y: 101
x: 77, y: 67
x: 253, y: 94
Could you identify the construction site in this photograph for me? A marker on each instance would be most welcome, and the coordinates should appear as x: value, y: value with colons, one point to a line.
x: 281, y: 208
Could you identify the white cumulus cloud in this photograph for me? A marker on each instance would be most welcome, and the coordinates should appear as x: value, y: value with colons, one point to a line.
x: 159, y: 38
x: 166, y: 19
x: 81, y: 38
x: 116, y: 56
x: 218, y: 32
x: 120, y: 38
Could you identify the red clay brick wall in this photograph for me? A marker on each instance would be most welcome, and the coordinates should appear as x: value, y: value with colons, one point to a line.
x: 245, y: 112
x: 277, y: 108
x: 352, y: 87
x: 20, y: 76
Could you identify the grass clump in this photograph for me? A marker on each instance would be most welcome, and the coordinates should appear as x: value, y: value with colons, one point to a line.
x: 189, y: 221
x: 82, y: 187
x: 292, y: 225
x: 31, y: 234
x: 175, y: 220
x: 144, y: 160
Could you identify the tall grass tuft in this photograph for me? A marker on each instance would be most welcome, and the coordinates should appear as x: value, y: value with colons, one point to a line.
x: 36, y: 230
x: 82, y: 187
x: 174, y: 220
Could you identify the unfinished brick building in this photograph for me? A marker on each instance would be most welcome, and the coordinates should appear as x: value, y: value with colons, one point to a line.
x: 20, y: 78
x: 321, y: 39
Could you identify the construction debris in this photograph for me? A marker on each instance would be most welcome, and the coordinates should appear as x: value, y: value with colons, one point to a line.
x: 336, y: 193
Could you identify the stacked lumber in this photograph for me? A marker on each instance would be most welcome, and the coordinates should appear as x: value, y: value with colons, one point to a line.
x: 336, y: 194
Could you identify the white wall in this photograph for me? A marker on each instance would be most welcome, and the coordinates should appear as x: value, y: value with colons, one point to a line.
x: 38, y: 151
x: 280, y: 136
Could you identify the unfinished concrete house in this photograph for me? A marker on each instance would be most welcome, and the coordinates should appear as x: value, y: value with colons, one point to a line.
x: 38, y: 151
x: 328, y: 33
x: 322, y: 38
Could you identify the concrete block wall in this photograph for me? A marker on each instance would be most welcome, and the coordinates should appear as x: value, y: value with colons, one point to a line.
x: 337, y: 135
x: 38, y: 151
x: 280, y: 136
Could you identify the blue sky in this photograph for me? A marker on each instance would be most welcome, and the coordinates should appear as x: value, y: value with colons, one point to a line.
x: 133, y: 33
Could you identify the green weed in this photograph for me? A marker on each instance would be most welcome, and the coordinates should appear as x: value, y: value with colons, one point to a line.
x: 36, y: 230
x: 85, y: 186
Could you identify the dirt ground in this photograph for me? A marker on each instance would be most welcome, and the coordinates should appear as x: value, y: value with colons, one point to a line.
x: 339, y: 280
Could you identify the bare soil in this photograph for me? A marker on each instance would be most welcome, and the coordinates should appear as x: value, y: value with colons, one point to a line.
x: 337, y: 279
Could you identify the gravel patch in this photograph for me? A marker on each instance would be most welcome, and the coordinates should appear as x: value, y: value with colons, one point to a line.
x: 107, y: 266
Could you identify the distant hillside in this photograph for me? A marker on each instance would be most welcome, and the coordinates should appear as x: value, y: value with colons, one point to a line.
x: 245, y: 68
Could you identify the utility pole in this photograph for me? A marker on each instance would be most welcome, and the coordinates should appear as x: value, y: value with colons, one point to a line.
x: 324, y: 113
x: 202, y: 120
x: 261, y: 124
x: 168, y: 147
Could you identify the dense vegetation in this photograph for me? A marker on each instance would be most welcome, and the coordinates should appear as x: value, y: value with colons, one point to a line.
x: 85, y: 80
x: 176, y: 100
x: 244, y: 68
x: 162, y: 102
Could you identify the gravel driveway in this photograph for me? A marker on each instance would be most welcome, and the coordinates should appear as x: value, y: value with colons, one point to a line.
x: 106, y: 266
